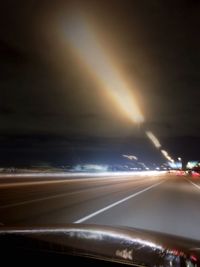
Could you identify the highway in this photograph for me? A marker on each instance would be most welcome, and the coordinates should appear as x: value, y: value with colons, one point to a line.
x: 165, y: 203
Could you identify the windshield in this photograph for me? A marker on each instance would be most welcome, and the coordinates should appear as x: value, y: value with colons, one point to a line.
x: 99, y: 105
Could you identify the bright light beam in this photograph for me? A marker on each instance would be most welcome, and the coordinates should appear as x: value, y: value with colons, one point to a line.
x: 81, y: 38
x: 164, y: 152
x: 153, y: 139
x: 166, y: 155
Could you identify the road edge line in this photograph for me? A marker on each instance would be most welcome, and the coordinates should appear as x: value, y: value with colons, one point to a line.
x: 197, y: 186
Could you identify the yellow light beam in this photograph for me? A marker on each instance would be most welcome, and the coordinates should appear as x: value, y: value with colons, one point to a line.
x: 81, y: 38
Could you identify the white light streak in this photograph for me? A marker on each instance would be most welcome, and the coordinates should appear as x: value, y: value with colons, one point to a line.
x: 153, y: 139
x: 164, y: 152
x: 130, y: 157
x: 166, y: 155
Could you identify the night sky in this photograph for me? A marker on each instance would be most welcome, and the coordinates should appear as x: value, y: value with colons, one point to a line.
x: 53, y: 111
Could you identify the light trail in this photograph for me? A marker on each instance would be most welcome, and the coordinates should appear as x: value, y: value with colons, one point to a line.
x: 83, y: 40
x: 166, y: 155
x: 153, y: 139
x: 86, y: 46
x: 130, y: 157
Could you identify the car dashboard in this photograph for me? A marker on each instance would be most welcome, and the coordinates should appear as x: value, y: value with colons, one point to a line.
x: 89, y: 245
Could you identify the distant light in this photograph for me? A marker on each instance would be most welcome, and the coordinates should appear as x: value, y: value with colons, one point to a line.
x: 157, y: 168
x: 170, y: 159
x: 131, y: 157
x: 179, y: 159
x: 194, y: 258
x: 166, y: 155
x: 141, y: 163
x: 83, y: 40
x: 153, y: 139
x: 175, y: 165
x: 191, y: 164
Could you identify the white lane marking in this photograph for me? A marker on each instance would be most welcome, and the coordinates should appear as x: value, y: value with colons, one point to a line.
x: 197, y: 186
x: 116, y: 203
x: 46, y: 198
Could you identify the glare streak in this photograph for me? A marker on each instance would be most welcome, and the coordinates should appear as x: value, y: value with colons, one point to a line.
x: 164, y: 152
x: 166, y: 155
x: 83, y: 40
x: 153, y: 139
x: 85, y: 234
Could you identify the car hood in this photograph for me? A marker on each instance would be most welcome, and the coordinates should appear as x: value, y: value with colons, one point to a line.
x: 120, y: 244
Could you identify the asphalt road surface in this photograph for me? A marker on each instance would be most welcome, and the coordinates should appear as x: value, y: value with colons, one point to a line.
x: 165, y: 203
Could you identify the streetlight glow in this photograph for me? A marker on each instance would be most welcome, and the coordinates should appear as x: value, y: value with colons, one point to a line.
x: 84, y: 42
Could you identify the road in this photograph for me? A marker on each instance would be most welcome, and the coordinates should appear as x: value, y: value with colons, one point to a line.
x: 166, y: 203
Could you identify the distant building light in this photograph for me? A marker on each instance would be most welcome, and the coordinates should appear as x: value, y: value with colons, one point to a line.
x: 130, y: 157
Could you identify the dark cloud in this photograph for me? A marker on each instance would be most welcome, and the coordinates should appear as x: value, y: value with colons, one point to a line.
x: 22, y: 150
